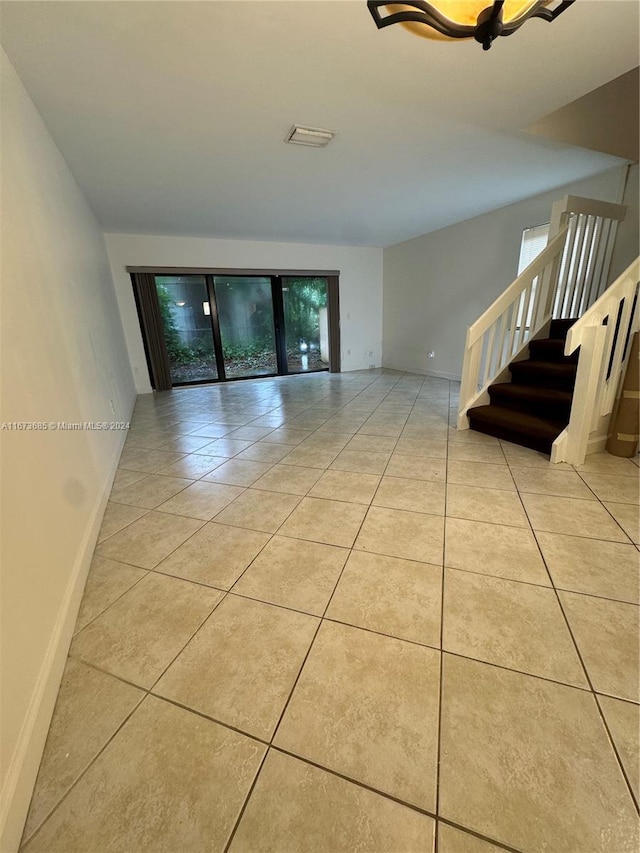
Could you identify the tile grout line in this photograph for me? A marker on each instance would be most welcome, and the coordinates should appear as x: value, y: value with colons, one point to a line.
x: 436, y: 840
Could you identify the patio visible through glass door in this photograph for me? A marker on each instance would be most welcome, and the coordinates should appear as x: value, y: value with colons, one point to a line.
x: 247, y: 325
x: 305, y: 323
x: 186, y: 319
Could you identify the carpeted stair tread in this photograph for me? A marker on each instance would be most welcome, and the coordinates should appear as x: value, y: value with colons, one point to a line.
x: 518, y: 427
x: 559, y: 328
x: 545, y: 374
x: 551, y: 349
x: 554, y: 403
x: 534, y: 408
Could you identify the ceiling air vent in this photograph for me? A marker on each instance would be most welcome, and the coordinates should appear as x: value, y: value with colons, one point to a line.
x: 313, y: 136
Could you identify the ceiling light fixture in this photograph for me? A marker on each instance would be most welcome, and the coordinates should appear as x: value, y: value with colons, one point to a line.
x: 312, y: 136
x: 465, y: 19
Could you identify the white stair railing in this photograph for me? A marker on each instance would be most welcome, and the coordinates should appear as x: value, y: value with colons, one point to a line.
x: 584, y: 270
x: 502, y: 332
x: 603, y: 334
x: 562, y: 282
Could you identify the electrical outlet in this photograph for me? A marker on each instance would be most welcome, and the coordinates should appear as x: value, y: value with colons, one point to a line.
x: 431, y: 353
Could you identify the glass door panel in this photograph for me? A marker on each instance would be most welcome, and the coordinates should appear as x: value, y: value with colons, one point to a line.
x: 305, y: 323
x: 245, y: 315
x: 188, y: 334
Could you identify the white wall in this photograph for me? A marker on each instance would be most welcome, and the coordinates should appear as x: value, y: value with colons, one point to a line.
x: 360, y: 284
x: 63, y: 359
x: 435, y: 286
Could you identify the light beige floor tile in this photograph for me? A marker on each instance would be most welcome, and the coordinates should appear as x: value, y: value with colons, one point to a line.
x: 628, y: 517
x: 238, y: 472
x: 212, y: 430
x: 382, y: 428
x: 242, y: 664
x: 139, y: 635
x: 528, y: 763
x: 216, y: 555
x: 511, y: 624
x: 169, y: 781
x: 225, y: 447
x: 346, y: 486
x: 287, y: 435
x: 185, y: 443
x: 470, y: 436
x: 367, y: 707
x: 607, y: 636
x: 396, y: 533
x: 451, y: 840
x: 542, y: 482
x: 431, y: 448
x: 494, y: 549
x: 400, y: 598
x: 310, y: 456
x: 249, y: 433
x: 330, y: 441
x: 193, y: 466
x: 259, y: 510
x: 124, y: 478
x: 605, y: 463
x: 623, y: 719
x: 149, y: 461
x: 149, y: 539
x: 413, y: 495
x: 414, y: 467
x: 289, y: 479
x: 296, y: 806
x: 263, y: 451
x: 572, y: 516
x: 466, y: 451
x: 202, y: 500
x: 372, y: 443
x: 294, y: 573
x: 329, y: 522
x: 106, y: 582
x: 493, y: 505
x: 524, y: 457
x: 151, y: 491
x: 614, y: 487
x: 90, y: 707
x: 483, y: 474
x: 117, y: 517
x: 361, y: 463
x: 609, y: 569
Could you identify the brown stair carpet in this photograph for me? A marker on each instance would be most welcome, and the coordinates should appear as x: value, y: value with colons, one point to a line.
x: 532, y: 409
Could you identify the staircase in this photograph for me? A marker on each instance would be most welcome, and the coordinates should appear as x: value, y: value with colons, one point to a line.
x: 542, y: 365
x: 534, y: 408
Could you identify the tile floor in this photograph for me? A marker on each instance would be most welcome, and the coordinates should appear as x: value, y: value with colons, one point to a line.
x: 321, y: 619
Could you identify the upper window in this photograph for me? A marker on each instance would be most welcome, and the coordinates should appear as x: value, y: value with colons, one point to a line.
x: 534, y: 240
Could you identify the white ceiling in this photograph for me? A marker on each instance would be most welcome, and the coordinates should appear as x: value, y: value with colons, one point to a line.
x: 172, y: 115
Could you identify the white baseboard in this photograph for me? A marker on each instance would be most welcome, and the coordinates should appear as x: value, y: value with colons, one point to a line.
x: 453, y: 377
x: 23, y: 770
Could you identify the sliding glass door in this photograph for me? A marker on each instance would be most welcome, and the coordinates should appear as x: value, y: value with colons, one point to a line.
x: 247, y: 325
x: 305, y: 323
x: 188, y: 334
x: 208, y: 327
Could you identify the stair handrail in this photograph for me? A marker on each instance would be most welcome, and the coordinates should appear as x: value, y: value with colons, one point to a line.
x: 603, y: 334
x: 553, y: 249
x: 498, y: 325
